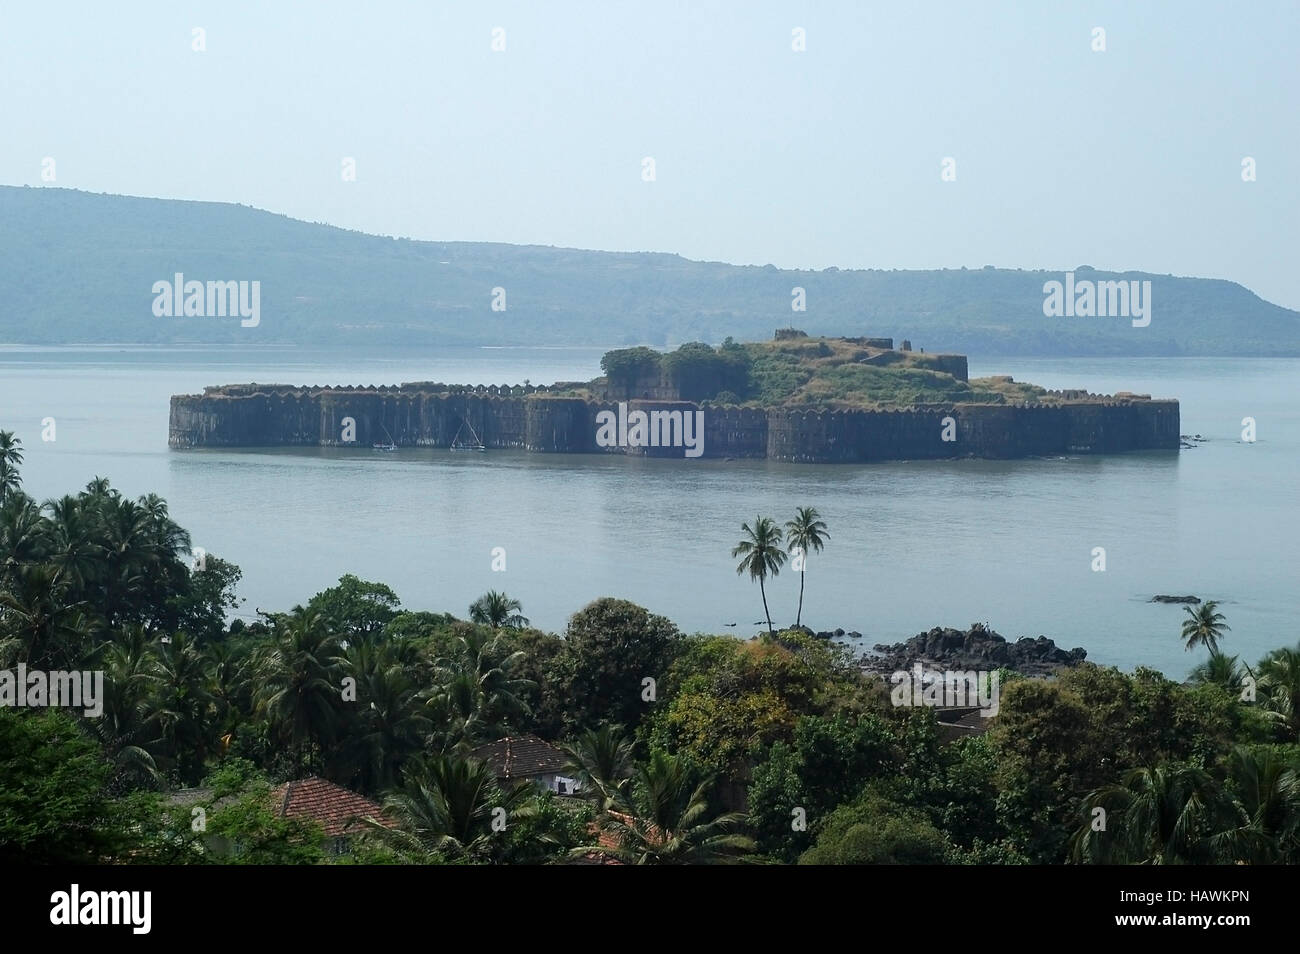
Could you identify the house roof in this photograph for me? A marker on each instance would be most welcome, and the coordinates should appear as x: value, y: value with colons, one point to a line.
x: 521, y: 756
x: 336, y: 809
x: 958, y: 723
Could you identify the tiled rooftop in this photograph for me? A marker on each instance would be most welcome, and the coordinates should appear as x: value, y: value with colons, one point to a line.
x: 336, y: 809
x: 521, y: 756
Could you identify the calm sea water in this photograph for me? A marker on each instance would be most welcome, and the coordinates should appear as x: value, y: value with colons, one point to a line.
x: 913, y: 545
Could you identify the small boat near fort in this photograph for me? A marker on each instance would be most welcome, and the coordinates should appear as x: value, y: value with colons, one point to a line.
x: 467, y: 445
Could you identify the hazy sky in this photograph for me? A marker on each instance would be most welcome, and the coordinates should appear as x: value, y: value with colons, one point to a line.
x: 1128, y: 158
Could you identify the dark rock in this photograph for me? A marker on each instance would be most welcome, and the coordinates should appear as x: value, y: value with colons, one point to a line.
x: 1174, y: 599
x: 976, y: 648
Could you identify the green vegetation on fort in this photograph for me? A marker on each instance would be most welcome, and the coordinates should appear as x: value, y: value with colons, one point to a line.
x: 688, y: 748
x: 803, y: 371
x: 79, y: 268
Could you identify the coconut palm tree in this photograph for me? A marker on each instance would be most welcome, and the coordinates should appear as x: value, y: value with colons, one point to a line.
x: 11, y: 456
x: 24, y: 534
x: 664, y: 817
x: 1158, y: 815
x: 124, y: 728
x: 42, y: 624
x: 476, y: 695
x: 181, y: 707
x: 99, y: 487
x: 390, y: 724
x: 601, y: 762
x: 124, y: 545
x: 1265, y: 825
x: 74, y: 547
x: 1279, y: 689
x: 761, y: 554
x: 806, y: 531
x: 1219, y: 670
x: 299, y: 683
x: 497, y: 610
x: 447, y: 808
x: 170, y: 539
x: 228, y: 667
x: 1205, y: 626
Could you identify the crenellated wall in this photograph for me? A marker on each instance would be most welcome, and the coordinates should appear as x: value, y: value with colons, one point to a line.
x: 533, y: 419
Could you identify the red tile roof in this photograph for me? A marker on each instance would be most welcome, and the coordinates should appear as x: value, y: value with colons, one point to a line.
x: 336, y: 809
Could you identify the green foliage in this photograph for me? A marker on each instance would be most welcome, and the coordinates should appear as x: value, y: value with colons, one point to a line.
x: 1056, y: 740
x: 760, y: 555
x: 601, y: 761
x: 537, y: 656
x: 497, y: 610
x: 776, y: 376
x: 447, y: 809
x: 874, y: 831
x: 828, y: 763
x: 385, y: 701
x: 729, y: 698
x: 1247, y: 812
x: 1204, y: 626
x: 477, y: 695
x: 417, y: 625
x: 11, y: 456
x: 248, y: 831
x: 806, y: 532
x: 868, y: 385
x: 700, y: 373
x: 79, y: 568
x: 611, y: 646
x: 1279, y: 691
x: 547, y: 832
x: 200, y: 609
x: 625, y: 366
x: 298, y: 686
x: 666, y: 816
x: 54, y: 805
x: 356, y: 607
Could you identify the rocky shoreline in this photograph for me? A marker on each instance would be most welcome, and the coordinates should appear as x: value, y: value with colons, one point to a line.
x: 977, y: 648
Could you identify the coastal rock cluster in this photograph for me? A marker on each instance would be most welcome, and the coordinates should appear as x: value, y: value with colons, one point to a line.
x: 975, y: 648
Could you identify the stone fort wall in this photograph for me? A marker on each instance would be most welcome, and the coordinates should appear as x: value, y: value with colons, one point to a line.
x: 534, y: 419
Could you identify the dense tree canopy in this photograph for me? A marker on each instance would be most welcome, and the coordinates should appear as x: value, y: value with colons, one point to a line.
x: 686, y: 749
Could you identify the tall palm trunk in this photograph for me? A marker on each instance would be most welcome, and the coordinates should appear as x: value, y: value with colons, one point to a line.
x: 766, y: 612
x: 798, y: 617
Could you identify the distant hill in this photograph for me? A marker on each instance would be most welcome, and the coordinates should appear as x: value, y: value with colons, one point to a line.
x: 80, y: 268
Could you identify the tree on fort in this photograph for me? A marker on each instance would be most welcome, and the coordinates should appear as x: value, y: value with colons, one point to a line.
x: 699, y: 373
x: 624, y: 366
